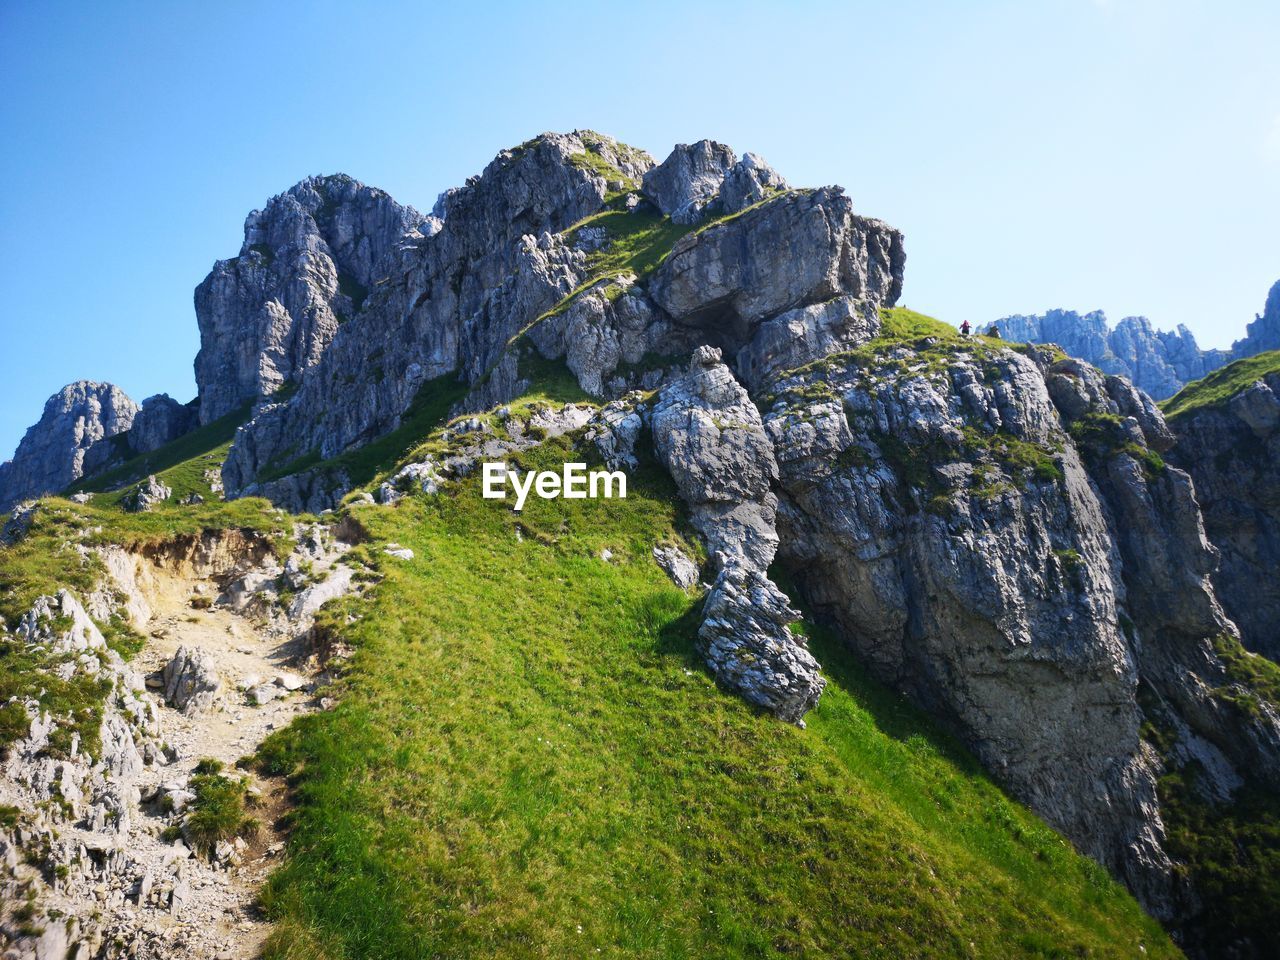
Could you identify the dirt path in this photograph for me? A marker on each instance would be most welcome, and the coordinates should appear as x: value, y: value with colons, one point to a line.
x: 220, y: 918
x: 159, y: 899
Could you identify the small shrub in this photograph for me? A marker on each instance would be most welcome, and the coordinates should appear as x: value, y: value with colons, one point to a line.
x: 218, y: 811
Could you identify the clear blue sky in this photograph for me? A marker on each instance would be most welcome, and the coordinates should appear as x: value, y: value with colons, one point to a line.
x: 1122, y: 155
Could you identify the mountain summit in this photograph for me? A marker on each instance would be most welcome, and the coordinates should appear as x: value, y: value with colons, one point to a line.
x: 688, y: 721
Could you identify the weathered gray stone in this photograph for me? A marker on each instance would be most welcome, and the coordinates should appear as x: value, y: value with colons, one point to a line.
x: 749, y: 181
x: 308, y: 262
x: 160, y: 420
x: 677, y: 565
x: 19, y: 522
x: 684, y: 184
x: 993, y: 590
x: 71, y: 440
x: 799, y: 249
x: 146, y: 495
x: 452, y: 302
x: 710, y: 437
x: 1232, y: 451
x: 191, y: 682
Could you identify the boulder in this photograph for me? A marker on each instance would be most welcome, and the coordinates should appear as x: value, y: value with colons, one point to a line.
x: 146, y: 495
x: 684, y: 184
x: 676, y: 564
x: 191, y: 682
x: 711, y: 439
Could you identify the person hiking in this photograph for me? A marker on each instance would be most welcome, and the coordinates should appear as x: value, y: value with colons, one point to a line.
x: 965, y: 328
x: 994, y: 332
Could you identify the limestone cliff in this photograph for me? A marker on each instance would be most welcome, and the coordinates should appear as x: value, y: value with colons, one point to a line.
x: 495, y: 282
x: 71, y: 439
x: 995, y: 532
x: 1232, y: 449
x: 308, y: 261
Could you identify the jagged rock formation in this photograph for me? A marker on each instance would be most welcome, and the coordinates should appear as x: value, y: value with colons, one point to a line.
x: 161, y: 419
x: 1156, y: 361
x: 1231, y: 450
x: 710, y: 436
x: 191, y: 681
x: 1020, y: 587
x: 707, y: 178
x: 493, y: 282
x: 993, y: 531
x: 457, y: 293
x: 146, y: 495
x: 69, y: 441
x: 992, y: 535
x: 93, y: 842
x: 308, y: 261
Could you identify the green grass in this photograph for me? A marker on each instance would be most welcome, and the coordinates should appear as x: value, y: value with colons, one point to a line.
x: 899, y: 323
x: 1229, y: 850
x: 1221, y: 385
x: 592, y: 161
x: 1256, y: 677
x: 528, y: 759
x: 218, y: 811
x: 363, y: 464
x: 352, y: 289
x: 1102, y: 435
x: 1231, y: 853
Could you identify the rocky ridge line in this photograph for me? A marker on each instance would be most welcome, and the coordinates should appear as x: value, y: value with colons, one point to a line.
x: 1159, y: 362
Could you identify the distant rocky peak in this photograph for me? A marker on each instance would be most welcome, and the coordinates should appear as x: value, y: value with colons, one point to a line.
x: 1263, y: 333
x: 68, y: 441
x: 358, y: 224
x: 1160, y: 362
x: 1156, y: 361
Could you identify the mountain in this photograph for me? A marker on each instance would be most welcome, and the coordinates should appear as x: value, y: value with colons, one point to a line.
x: 1228, y: 430
x: 307, y: 262
x: 1263, y: 333
x: 868, y: 576
x: 1157, y: 362
x: 71, y: 438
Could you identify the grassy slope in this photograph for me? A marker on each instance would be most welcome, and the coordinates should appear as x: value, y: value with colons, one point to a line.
x: 1221, y: 385
x: 530, y: 760
x: 363, y: 464
x: 181, y: 463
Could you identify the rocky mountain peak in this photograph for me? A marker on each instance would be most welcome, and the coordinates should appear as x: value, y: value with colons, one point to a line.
x: 1263, y: 332
x: 1157, y: 361
x: 68, y: 441
x: 1160, y: 362
x: 306, y: 265
x: 525, y: 258
x: 705, y: 177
